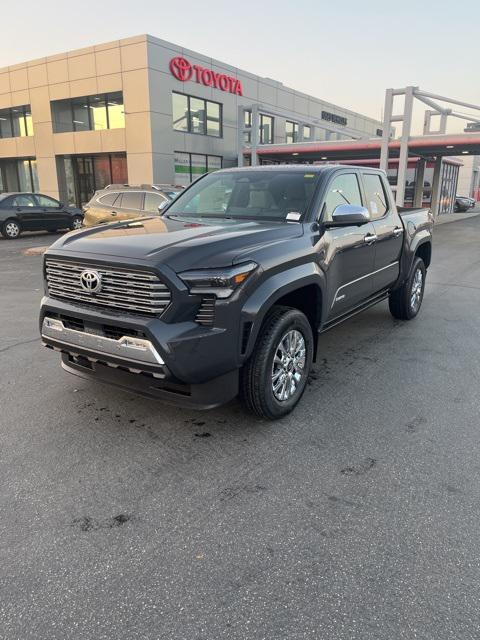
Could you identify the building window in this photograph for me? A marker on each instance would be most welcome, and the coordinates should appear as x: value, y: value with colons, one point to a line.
x: 196, y: 115
x: 248, y: 125
x: 291, y: 131
x: 189, y: 166
x: 16, y: 122
x: 307, y: 132
x: 266, y: 129
x: 83, y: 175
x: 89, y: 113
x: 18, y: 175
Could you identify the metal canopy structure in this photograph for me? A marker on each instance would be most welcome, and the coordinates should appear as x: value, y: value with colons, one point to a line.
x: 431, y: 146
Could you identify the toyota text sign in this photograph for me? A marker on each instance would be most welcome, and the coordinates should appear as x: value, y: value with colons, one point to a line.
x: 184, y: 71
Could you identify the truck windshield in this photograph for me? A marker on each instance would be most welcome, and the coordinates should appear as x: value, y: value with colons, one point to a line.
x: 255, y: 194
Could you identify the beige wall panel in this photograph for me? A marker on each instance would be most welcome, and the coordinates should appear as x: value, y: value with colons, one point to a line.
x: 19, y: 79
x: 47, y: 176
x: 20, y: 97
x: 37, y: 76
x: 8, y: 148
x: 43, y: 140
x: 113, y: 140
x: 88, y: 141
x: 40, y: 103
x: 140, y: 168
x: 138, y: 132
x: 86, y: 87
x: 136, y: 93
x: 63, y: 143
x: 134, y: 56
x: 107, y: 45
x: 81, y: 67
x: 108, y: 61
x: 57, y: 71
x: 59, y: 91
x: 5, y: 100
x: 107, y: 84
x: 4, y: 82
x: 25, y: 147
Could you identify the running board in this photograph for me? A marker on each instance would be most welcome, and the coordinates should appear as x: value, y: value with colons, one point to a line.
x: 350, y: 314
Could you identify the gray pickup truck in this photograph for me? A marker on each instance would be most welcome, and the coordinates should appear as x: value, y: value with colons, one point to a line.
x: 226, y: 289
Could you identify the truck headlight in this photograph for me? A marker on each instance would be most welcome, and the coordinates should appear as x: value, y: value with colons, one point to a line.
x: 219, y: 282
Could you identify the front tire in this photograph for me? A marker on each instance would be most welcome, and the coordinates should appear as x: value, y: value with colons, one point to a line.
x: 11, y: 229
x: 274, y: 378
x: 406, y: 301
x: 77, y: 223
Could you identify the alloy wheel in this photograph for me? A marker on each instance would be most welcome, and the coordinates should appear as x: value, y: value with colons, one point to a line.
x: 288, y: 366
x: 416, y: 291
x: 12, y: 229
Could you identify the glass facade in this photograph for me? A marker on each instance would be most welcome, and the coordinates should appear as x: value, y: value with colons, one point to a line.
x: 18, y: 175
x: 16, y: 122
x: 88, y: 113
x: 196, y: 115
x: 266, y: 129
x: 189, y: 166
x: 83, y: 175
x: 291, y: 131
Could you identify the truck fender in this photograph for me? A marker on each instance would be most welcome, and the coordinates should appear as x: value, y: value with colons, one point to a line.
x: 270, y: 291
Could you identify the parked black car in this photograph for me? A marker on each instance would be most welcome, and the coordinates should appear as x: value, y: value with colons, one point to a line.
x: 125, y: 202
x: 35, y: 212
x: 227, y: 290
x: 463, y: 203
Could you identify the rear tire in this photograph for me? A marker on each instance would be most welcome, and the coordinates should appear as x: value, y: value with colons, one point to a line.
x: 274, y: 378
x: 11, y: 229
x: 406, y: 301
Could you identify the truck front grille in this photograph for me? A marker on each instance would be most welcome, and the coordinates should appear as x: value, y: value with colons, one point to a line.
x: 122, y: 289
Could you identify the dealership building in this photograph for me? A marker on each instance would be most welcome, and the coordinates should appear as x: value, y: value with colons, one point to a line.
x: 145, y: 111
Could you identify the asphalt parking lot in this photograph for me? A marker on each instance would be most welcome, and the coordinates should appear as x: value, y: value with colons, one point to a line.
x: 356, y: 517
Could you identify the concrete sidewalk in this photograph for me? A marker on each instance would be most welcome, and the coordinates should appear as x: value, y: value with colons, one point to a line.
x: 455, y: 217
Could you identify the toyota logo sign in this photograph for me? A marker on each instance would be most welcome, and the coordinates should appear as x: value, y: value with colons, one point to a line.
x: 90, y: 281
x: 183, y: 70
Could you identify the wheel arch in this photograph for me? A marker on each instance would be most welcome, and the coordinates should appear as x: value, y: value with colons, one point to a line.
x: 300, y: 287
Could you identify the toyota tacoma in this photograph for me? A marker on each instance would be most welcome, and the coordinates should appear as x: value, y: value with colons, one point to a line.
x: 226, y: 290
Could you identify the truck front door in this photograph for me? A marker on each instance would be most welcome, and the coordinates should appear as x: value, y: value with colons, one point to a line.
x: 349, y: 252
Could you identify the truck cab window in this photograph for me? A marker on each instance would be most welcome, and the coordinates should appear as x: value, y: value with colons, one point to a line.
x: 343, y: 189
x: 377, y: 202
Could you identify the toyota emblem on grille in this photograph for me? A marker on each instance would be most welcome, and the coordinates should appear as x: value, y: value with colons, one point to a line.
x: 91, y: 281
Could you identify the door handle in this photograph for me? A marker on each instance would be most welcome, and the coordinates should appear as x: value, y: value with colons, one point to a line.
x: 370, y: 238
x: 113, y: 213
x: 397, y: 232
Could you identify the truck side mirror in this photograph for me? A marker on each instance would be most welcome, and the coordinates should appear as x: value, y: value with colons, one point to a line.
x: 348, y: 215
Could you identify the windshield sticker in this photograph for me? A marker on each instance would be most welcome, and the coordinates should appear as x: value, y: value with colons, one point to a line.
x: 373, y: 207
x: 294, y: 216
x: 308, y: 175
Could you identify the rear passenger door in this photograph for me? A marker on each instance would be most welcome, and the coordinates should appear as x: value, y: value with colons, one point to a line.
x: 388, y: 229
x: 350, y: 251
x: 24, y: 207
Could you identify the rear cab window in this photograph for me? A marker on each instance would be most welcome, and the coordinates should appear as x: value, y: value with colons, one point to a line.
x: 376, y: 197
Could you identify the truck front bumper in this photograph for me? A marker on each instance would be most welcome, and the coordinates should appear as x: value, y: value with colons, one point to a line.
x: 180, y: 364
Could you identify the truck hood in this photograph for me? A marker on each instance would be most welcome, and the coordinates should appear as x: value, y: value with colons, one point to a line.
x: 181, y: 244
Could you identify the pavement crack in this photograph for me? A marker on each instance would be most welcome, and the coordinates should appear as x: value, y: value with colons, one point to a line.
x: 18, y: 344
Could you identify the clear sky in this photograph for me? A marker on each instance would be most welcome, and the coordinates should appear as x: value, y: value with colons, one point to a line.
x: 344, y: 51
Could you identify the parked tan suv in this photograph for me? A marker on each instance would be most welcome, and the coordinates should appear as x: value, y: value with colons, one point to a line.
x: 125, y: 202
